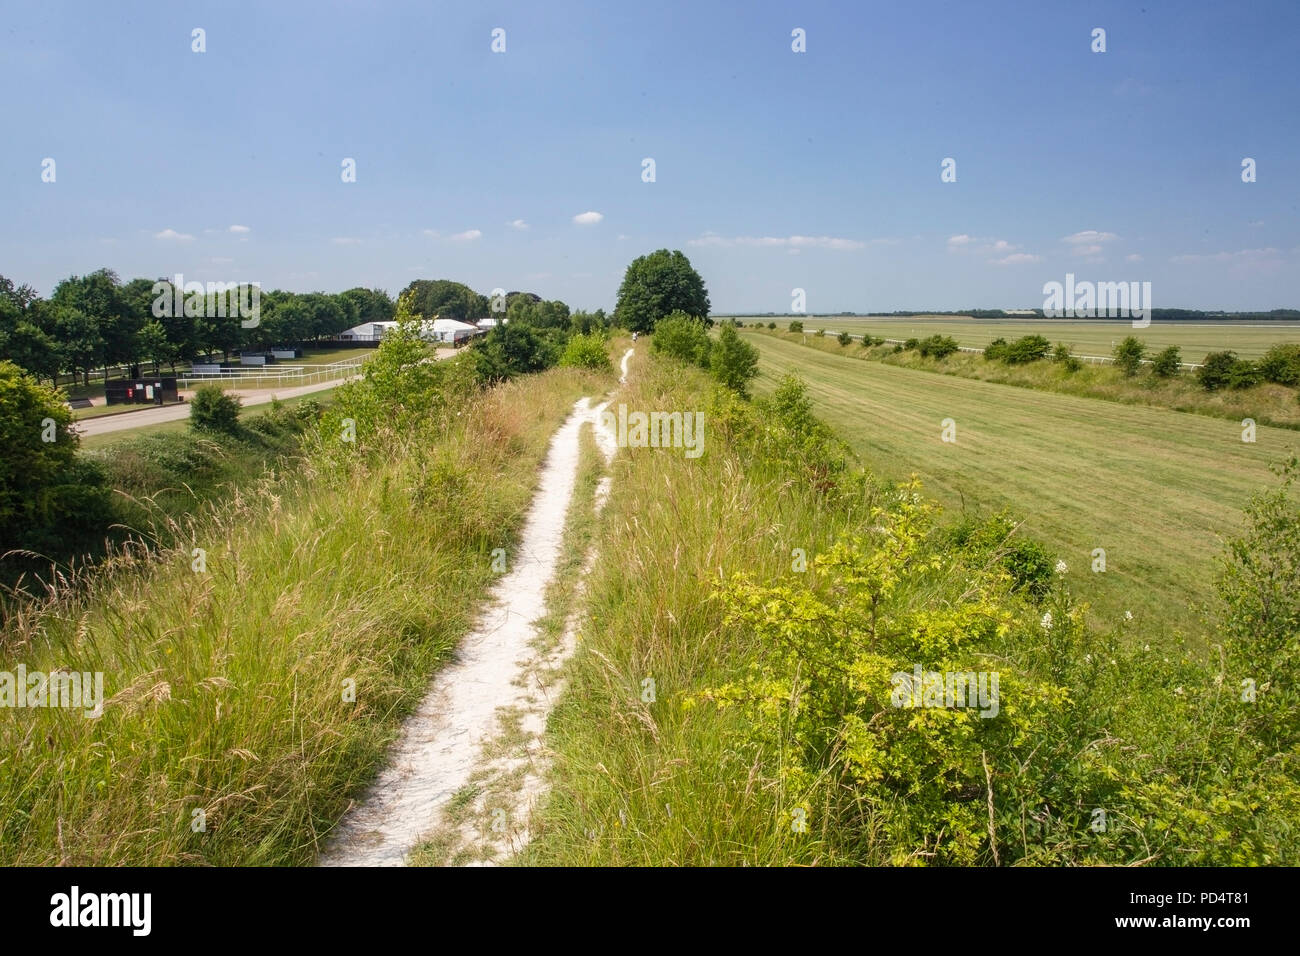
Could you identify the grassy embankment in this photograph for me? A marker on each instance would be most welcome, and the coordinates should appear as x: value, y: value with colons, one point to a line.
x: 809, y: 763
x: 227, y: 687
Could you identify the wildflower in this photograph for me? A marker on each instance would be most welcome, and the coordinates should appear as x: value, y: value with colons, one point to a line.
x: 1128, y: 615
x: 1061, y: 567
x: 1178, y: 691
x: 1047, y: 621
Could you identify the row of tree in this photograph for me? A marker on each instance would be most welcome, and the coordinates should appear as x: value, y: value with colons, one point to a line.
x: 98, y: 321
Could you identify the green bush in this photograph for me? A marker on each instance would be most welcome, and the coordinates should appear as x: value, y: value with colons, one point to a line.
x: 1129, y: 354
x: 1281, y: 364
x: 772, y: 325
x: 734, y: 361
x: 1061, y: 353
x: 587, y: 351
x: 213, y: 410
x: 796, y: 326
x: 910, y: 344
x: 1226, y: 370
x: 682, y: 337
x: 820, y: 333
x: 844, y: 338
x: 1167, y: 362
x: 996, y: 350
x: 52, y: 501
x: 1030, y: 348
x: 938, y: 346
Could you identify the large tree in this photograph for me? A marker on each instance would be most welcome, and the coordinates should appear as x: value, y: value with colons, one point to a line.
x: 658, y: 285
x: 444, y: 298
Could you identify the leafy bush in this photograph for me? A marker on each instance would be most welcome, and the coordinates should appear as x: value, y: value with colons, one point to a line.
x: 587, y: 351
x: 1061, y: 353
x: 1281, y: 364
x: 213, y: 410
x: 1226, y: 370
x: 844, y: 338
x: 772, y: 325
x: 1030, y: 348
x: 820, y: 333
x: 52, y: 501
x: 796, y: 326
x: 1129, y: 354
x: 734, y: 362
x: 910, y: 344
x: 1167, y: 362
x: 938, y: 346
x: 996, y: 350
x: 682, y: 337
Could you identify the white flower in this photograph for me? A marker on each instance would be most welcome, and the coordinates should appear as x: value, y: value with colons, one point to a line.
x: 1128, y: 615
x: 1146, y: 647
x: 1178, y: 691
x: 1047, y: 621
x: 1061, y: 567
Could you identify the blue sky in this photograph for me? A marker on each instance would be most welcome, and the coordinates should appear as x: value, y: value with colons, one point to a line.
x: 774, y: 169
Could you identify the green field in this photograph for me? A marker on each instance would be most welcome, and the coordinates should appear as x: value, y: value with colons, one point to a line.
x: 1156, y: 489
x: 1196, y: 339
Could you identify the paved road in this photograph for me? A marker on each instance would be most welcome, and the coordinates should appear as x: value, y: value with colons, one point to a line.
x: 171, y: 413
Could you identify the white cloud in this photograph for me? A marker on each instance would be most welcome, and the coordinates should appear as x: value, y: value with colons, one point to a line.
x: 1017, y: 259
x: 469, y: 235
x: 345, y: 241
x: 1089, y: 237
x: 172, y: 235
x: 1087, y: 250
x: 517, y: 224
x: 1133, y: 257
x: 433, y: 233
x: 962, y: 240
x: 777, y: 242
x: 240, y: 229
x: 587, y: 218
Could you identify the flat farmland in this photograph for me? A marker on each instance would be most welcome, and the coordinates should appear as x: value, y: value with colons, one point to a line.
x: 1196, y: 339
x: 1157, y: 489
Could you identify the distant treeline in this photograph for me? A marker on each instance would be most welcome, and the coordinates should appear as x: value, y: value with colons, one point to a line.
x: 1157, y: 315
x: 97, y: 321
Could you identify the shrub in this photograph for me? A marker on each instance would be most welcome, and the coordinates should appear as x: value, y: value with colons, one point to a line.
x: 1167, y: 362
x: 682, y: 337
x: 1061, y: 353
x: 51, y: 499
x: 1281, y: 364
x: 1129, y: 354
x: 796, y: 326
x: 1226, y: 370
x: 772, y: 325
x: 213, y: 410
x: 734, y: 361
x: 844, y: 338
x: 587, y: 351
x: 820, y: 333
x: 938, y: 346
x: 1072, y: 363
x: 1030, y: 348
x: 910, y: 344
x: 996, y: 349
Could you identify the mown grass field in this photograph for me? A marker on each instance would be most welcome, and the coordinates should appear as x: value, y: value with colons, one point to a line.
x: 1156, y: 489
x: 1196, y: 339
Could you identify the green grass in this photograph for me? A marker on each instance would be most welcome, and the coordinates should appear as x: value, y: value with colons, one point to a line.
x: 226, y: 686
x: 1156, y: 489
x: 1099, y: 337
